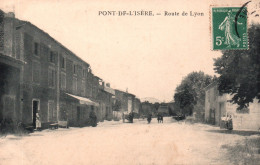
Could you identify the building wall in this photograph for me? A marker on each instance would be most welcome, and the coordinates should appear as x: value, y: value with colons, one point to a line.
x: 9, y: 36
x: 222, y: 107
x: 211, y: 105
x: 122, y: 97
x: 10, y: 67
x: 245, y: 120
x: 147, y: 108
x: 130, y: 104
x: 49, y: 70
x: 2, y: 31
x: 127, y: 101
x: 9, y: 93
x: 137, y: 104
x: 40, y: 75
x: 163, y: 109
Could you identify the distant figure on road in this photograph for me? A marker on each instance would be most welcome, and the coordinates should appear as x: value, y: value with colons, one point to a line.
x: 160, y: 118
x: 131, y: 117
x: 149, y: 118
x: 93, y: 118
x: 229, y: 123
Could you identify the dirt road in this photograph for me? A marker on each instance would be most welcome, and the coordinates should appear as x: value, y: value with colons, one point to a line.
x: 116, y: 143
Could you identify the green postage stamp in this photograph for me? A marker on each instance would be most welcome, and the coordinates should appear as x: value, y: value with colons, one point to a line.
x: 229, y: 28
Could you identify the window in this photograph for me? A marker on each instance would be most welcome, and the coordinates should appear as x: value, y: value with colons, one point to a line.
x: 83, y: 88
x: 78, y: 113
x: 62, y: 62
x: 79, y: 85
x: 51, y: 77
x: 51, y: 111
x: 36, y: 72
x: 1, y: 30
x: 74, y: 85
x: 85, y: 73
x: 52, y: 57
x: 63, y: 81
x: 36, y: 49
x: 80, y: 72
x: 74, y: 69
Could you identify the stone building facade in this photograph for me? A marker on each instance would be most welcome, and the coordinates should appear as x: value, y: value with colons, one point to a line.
x: 41, y: 76
x: 126, y: 101
x: 217, y: 105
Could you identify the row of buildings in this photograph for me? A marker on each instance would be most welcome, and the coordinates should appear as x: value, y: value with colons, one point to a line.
x: 41, y: 76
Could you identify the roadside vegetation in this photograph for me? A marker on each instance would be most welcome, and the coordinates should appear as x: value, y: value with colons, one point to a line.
x: 244, y: 152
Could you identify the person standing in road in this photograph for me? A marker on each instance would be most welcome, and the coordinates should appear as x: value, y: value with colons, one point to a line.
x: 149, y: 118
x: 93, y: 118
x: 38, y: 122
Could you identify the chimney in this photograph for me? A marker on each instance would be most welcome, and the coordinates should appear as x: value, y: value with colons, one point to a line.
x: 10, y: 15
x: 126, y: 90
x: 2, y: 30
x: 7, y: 31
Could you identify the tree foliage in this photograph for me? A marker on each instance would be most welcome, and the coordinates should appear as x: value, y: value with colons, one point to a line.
x: 240, y: 71
x: 191, y: 91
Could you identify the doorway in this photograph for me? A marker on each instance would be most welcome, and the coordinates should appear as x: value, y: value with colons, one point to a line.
x: 35, y: 110
x: 78, y: 113
x: 8, y: 107
x: 221, y: 110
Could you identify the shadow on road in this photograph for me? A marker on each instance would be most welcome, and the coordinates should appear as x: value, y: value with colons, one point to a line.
x: 236, y: 132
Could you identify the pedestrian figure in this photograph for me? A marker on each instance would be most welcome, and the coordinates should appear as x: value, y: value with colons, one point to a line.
x: 123, y: 116
x: 230, y: 123
x: 38, y: 122
x: 93, y: 118
x: 160, y: 118
x: 131, y: 117
x: 149, y: 118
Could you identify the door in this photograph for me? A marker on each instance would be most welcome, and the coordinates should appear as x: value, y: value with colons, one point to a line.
x: 35, y: 109
x: 221, y: 111
x: 129, y: 105
x: 78, y: 116
x: 212, y: 116
x: 78, y: 113
x: 8, y: 107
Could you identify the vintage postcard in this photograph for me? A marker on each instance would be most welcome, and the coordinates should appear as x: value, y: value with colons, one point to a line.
x: 112, y: 82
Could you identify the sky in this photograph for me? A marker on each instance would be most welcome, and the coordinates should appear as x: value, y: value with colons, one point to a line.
x: 148, y: 55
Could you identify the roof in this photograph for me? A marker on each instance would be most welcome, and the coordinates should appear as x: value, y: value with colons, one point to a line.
x: 211, y: 85
x: 117, y: 90
x: 83, y: 100
x: 110, y: 90
x: 30, y: 24
x: 97, y: 77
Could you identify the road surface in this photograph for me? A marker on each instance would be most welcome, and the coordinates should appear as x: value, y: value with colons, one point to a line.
x: 119, y: 143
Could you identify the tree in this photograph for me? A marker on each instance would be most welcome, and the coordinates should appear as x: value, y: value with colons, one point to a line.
x: 189, y: 95
x: 240, y: 71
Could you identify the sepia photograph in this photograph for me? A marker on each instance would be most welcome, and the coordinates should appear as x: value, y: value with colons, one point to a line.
x: 120, y: 82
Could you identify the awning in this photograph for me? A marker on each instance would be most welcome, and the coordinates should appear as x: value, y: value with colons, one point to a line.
x: 83, y: 100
